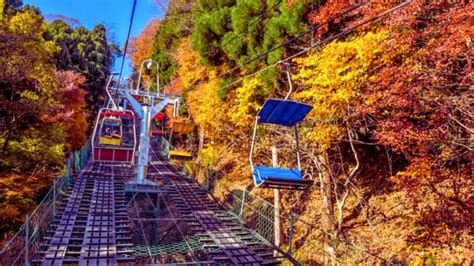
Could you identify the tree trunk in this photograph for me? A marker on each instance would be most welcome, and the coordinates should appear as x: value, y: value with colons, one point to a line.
x: 7, y: 141
x: 201, y: 139
x: 327, y: 214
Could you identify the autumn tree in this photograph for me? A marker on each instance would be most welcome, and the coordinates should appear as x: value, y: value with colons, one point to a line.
x: 31, y: 146
x: 28, y: 84
x: 72, y: 113
x: 424, y: 116
x: 46, y: 72
x: 177, y: 24
x: 9, y: 6
x: 414, y: 116
x: 245, y: 34
x: 88, y: 52
x: 333, y: 79
x: 141, y: 47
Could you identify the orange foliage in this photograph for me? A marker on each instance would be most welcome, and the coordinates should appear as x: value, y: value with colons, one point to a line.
x: 190, y: 70
x: 175, y: 86
x: 142, y: 46
x: 72, y: 113
x: 422, y: 113
x: 334, y: 7
x: 18, y: 194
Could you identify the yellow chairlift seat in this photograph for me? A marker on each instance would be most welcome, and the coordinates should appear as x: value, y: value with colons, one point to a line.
x: 180, y: 155
x: 179, y: 127
x: 110, y: 140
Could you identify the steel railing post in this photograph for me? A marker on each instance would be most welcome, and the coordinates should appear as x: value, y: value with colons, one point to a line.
x: 276, y: 203
x: 68, y: 176
x: 54, y: 197
x: 27, y: 240
x: 241, y: 213
x: 291, y: 234
x: 208, y: 177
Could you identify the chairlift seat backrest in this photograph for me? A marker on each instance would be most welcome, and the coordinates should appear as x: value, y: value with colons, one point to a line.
x: 117, y: 114
x: 181, y: 127
x: 160, y: 116
x: 156, y: 132
x: 180, y: 155
x: 112, y: 123
x: 283, y: 112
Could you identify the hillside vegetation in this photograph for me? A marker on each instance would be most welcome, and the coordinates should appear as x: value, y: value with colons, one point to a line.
x: 52, y: 78
x: 389, y: 141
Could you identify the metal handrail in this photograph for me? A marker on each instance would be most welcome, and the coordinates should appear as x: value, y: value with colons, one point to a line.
x: 18, y: 247
x: 149, y: 64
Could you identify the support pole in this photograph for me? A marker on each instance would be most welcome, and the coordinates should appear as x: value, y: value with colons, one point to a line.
x: 290, y: 242
x: 157, y: 206
x: 144, y: 147
x: 242, y: 205
x: 27, y: 240
x: 276, y: 203
x: 54, y: 197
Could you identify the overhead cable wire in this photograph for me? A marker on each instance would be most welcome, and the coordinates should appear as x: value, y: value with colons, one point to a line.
x: 325, y: 41
x: 227, y: 128
x: 339, y: 15
x: 297, y: 37
x: 256, y: 19
x: 127, y: 40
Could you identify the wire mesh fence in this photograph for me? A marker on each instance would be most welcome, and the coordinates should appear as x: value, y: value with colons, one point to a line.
x: 82, y: 156
x: 165, y: 148
x: 23, y: 247
x: 260, y: 216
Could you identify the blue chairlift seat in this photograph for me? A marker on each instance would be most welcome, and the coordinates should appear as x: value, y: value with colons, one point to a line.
x: 283, y: 112
x: 281, y: 178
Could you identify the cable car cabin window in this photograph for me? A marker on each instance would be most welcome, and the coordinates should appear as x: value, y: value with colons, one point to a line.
x: 111, y: 131
x: 127, y: 133
x: 116, y: 131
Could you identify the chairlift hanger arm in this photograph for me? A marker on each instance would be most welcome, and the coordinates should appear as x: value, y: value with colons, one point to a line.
x: 137, y: 107
x: 282, y: 112
x: 288, y: 76
x: 107, y: 90
x: 149, y: 63
x: 252, y: 146
x: 159, y: 107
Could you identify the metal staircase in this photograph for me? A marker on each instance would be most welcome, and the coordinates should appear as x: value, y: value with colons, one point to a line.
x: 99, y: 222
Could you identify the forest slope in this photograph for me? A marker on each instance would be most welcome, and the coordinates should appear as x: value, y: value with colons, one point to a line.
x: 389, y: 141
x: 52, y: 78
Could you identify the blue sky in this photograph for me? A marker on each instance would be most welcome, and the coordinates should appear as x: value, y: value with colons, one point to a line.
x: 115, y: 14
